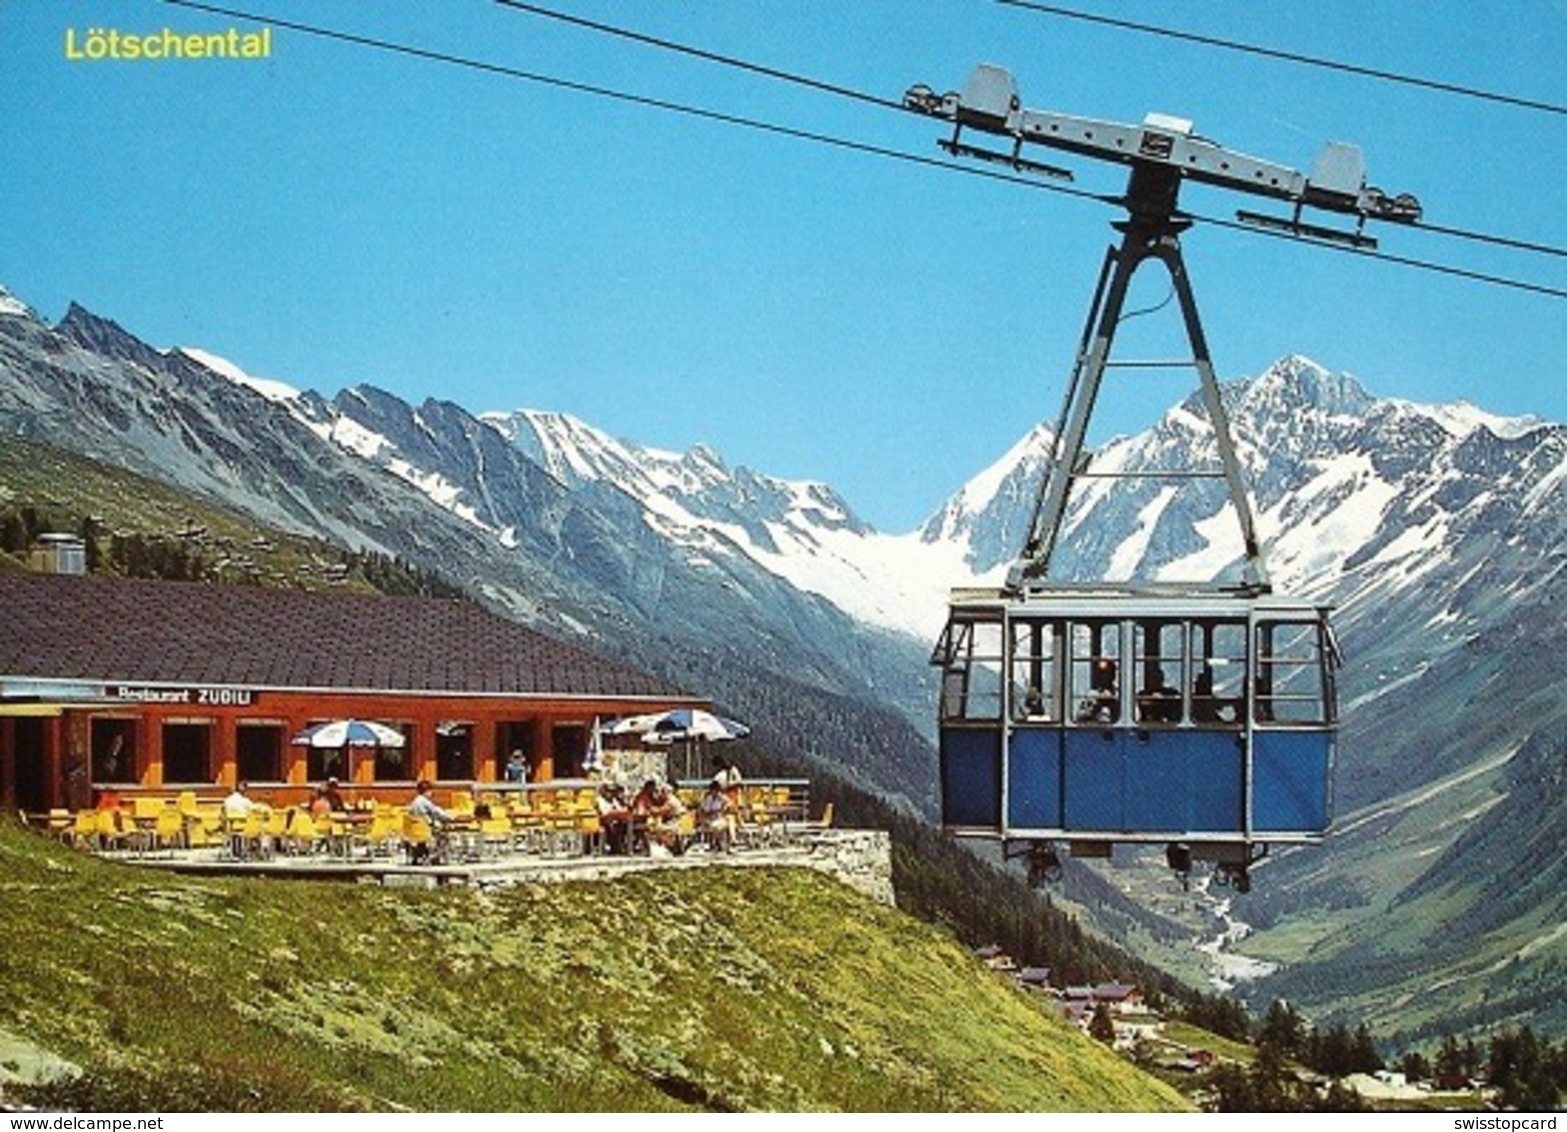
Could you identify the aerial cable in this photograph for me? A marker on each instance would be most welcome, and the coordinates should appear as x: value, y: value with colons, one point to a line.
x: 1486, y: 238
x: 1289, y: 56
x: 1389, y: 257
x: 641, y: 100
x: 700, y: 53
x: 809, y: 135
x: 876, y: 100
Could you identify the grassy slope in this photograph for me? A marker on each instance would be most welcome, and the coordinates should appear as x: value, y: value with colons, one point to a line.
x: 62, y: 487
x: 735, y: 989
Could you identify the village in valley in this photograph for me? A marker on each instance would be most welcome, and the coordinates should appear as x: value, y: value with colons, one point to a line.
x: 1204, y: 1065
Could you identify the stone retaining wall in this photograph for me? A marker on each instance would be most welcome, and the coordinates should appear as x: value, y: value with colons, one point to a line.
x: 860, y: 858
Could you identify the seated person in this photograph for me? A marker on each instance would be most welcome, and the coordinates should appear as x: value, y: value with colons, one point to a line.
x: 658, y: 811
x: 1103, y: 704
x: 334, y: 796
x: 238, y: 803
x: 1031, y: 704
x: 1158, y: 702
x: 717, y: 815
x: 423, y: 806
x: 614, y: 813
x: 1208, y: 708
x: 236, y: 808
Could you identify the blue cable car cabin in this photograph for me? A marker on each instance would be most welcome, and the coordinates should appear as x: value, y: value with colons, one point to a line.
x: 1205, y: 722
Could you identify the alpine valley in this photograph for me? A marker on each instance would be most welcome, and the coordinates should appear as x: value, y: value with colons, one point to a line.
x: 1438, y: 904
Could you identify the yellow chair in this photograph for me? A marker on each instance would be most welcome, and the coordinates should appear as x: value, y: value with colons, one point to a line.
x: 110, y: 834
x: 245, y: 833
x: 528, y: 829
x: 301, y: 832
x: 819, y: 826
x: 168, y: 830
x: 418, y: 839
x: 141, y: 831
x: 84, y: 831
x: 210, y: 818
x: 197, y: 835
x: 274, y: 830
x: 760, y: 827
x: 337, y: 834
x: 590, y: 833
x: 377, y: 836
x: 143, y: 807
x: 495, y: 833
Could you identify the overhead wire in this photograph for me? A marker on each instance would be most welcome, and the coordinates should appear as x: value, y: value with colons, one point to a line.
x: 876, y: 100
x: 649, y: 101
x: 1288, y: 56
x: 830, y: 140
x: 700, y: 53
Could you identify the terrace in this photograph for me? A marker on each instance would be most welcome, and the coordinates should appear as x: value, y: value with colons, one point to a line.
x: 547, y: 831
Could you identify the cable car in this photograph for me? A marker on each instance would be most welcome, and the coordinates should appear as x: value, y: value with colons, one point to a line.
x: 1204, y: 722
x: 1199, y: 715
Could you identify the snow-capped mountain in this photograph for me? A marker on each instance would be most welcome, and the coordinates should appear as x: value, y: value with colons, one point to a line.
x: 1439, y: 532
x: 801, y: 531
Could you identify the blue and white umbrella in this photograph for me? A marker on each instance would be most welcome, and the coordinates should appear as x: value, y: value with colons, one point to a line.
x: 345, y: 734
x: 689, y: 727
x: 349, y: 733
x: 679, y: 724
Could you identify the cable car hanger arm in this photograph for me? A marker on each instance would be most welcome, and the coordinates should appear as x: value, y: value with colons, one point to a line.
x: 989, y: 103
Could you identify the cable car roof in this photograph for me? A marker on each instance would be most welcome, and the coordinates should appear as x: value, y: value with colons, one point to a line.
x: 1128, y: 602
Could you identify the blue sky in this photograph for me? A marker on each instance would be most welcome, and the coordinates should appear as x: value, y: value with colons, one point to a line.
x: 336, y: 215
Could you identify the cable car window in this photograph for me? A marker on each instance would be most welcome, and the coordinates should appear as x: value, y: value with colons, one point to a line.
x: 970, y: 655
x: 1034, y: 691
x: 1096, y: 671
x: 1159, y: 662
x: 1218, y: 673
x: 1288, y: 683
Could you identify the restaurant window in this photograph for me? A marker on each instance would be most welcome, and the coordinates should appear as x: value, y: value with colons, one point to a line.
x: 393, y: 764
x: 113, y: 750
x: 259, y: 749
x: 322, y: 763
x: 454, y: 751
x: 512, y: 735
x: 569, y: 747
x: 187, y: 751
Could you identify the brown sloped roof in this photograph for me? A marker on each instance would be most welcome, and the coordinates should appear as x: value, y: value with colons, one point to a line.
x: 113, y: 630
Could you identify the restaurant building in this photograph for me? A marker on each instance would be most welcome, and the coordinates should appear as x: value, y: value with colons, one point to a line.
x: 131, y: 686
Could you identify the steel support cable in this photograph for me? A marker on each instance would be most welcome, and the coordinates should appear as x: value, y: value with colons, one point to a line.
x: 876, y: 100
x: 641, y: 100
x: 1389, y: 257
x: 1289, y: 56
x: 701, y: 53
x: 812, y: 136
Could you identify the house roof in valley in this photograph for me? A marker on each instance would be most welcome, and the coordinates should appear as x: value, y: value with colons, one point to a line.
x: 95, y: 629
